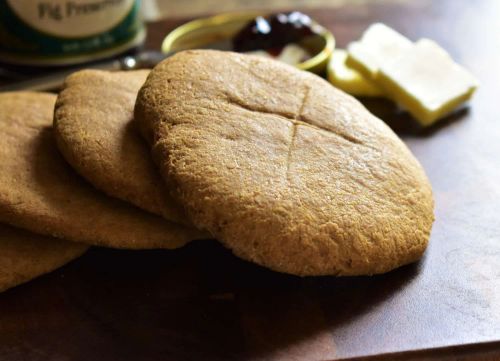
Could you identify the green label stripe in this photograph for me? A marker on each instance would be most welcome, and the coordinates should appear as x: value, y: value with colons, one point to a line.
x: 17, y: 37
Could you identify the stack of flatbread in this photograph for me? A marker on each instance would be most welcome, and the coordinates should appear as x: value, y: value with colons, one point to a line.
x: 279, y: 166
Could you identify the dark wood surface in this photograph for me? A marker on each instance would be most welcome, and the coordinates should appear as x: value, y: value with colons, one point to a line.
x: 201, y: 303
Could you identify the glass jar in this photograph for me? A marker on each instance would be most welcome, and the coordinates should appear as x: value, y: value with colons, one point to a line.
x: 65, y: 32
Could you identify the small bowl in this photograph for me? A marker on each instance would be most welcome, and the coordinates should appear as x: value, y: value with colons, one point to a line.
x: 220, y: 29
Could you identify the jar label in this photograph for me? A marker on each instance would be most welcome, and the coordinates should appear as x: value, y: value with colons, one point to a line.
x: 66, y: 28
x: 71, y: 18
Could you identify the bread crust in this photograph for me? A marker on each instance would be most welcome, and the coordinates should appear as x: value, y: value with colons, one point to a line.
x: 95, y: 132
x: 284, y: 169
x: 40, y: 192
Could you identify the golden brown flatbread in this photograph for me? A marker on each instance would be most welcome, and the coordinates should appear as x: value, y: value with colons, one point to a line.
x: 25, y: 255
x: 94, y: 130
x: 283, y: 168
x: 41, y: 193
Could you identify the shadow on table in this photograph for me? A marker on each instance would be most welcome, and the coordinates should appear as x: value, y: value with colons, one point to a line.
x: 403, y: 124
x: 196, y: 303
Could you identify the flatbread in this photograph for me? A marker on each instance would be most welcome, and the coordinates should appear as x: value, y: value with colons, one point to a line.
x: 41, y: 193
x: 25, y: 255
x: 284, y: 169
x: 94, y: 130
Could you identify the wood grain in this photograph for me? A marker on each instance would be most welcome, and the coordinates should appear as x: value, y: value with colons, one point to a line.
x: 201, y: 303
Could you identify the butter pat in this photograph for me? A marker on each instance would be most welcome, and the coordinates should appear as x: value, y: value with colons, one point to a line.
x: 348, y: 79
x: 261, y: 53
x: 379, y: 45
x: 426, y: 81
x: 293, y: 54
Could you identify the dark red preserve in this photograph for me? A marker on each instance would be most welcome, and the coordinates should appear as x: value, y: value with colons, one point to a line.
x: 273, y: 32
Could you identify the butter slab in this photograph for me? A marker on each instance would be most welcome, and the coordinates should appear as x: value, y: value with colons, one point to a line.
x: 426, y: 82
x: 348, y: 79
x: 379, y: 45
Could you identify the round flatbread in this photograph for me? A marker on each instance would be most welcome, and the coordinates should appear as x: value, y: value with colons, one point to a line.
x: 94, y: 131
x: 283, y: 168
x: 41, y: 193
x: 25, y: 255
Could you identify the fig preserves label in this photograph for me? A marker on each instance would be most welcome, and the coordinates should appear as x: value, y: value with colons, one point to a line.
x: 66, y: 30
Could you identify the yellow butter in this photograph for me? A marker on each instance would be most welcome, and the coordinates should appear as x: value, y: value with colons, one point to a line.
x: 261, y: 53
x: 347, y: 79
x: 426, y: 81
x: 293, y: 54
x: 379, y: 45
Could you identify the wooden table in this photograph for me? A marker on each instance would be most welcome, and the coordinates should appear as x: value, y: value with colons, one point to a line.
x: 201, y: 303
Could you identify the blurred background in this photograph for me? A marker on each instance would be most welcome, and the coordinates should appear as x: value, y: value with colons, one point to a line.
x: 159, y: 9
